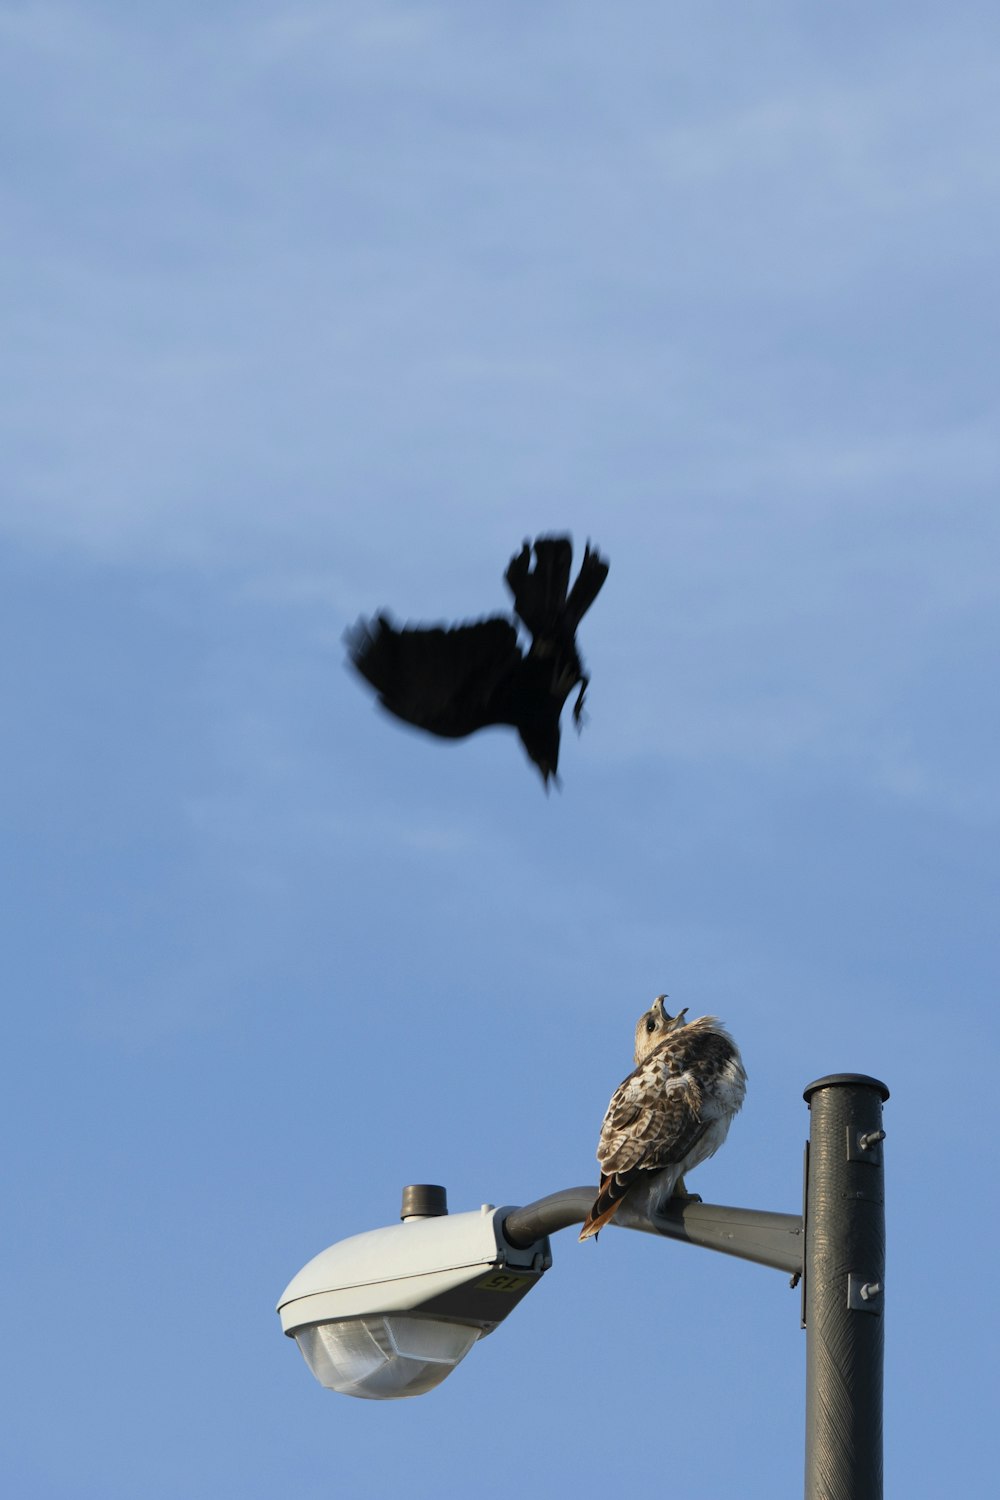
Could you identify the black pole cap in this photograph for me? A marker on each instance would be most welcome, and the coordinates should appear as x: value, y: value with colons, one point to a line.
x: 424, y: 1200
x: 848, y: 1080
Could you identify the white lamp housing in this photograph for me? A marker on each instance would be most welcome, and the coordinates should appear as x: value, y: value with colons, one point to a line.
x: 390, y: 1313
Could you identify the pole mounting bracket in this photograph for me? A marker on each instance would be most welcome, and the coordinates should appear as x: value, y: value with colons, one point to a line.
x: 865, y: 1145
x: 864, y: 1295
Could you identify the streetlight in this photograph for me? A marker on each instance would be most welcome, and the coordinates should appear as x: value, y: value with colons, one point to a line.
x: 392, y: 1312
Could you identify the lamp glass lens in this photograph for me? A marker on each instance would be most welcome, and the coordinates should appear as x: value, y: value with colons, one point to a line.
x: 384, y: 1357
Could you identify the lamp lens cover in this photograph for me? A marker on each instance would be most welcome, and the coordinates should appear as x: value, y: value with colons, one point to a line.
x: 385, y: 1356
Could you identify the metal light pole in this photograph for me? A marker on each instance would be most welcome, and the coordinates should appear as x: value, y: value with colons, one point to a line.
x: 837, y: 1247
x: 844, y: 1292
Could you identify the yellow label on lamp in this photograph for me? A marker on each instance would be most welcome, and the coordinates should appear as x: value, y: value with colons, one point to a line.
x: 503, y: 1281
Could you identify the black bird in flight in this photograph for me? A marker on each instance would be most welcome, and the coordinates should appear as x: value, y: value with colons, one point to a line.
x: 453, y: 680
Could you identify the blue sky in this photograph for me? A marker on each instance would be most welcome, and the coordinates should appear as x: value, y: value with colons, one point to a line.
x: 314, y: 308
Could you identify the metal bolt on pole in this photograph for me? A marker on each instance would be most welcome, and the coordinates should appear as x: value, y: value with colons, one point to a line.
x: 844, y: 1288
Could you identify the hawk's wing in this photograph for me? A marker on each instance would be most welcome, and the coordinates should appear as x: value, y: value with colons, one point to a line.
x: 653, y: 1120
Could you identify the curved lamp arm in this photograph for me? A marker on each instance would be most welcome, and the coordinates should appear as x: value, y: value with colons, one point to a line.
x: 751, y: 1234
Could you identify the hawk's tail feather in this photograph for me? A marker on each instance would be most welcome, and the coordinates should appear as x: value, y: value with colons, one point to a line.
x: 605, y: 1206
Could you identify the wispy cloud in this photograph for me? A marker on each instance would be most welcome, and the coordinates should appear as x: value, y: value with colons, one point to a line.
x: 263, y: 278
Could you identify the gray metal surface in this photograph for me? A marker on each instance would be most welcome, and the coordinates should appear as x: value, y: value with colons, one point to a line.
x: 844, y: 1288
x: 546, y: 1215
x: 770, y: 1239
x: 424, y: 1200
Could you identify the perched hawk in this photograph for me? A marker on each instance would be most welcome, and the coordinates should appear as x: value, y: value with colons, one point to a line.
x: 673, y: 1112
x: 453, y: 680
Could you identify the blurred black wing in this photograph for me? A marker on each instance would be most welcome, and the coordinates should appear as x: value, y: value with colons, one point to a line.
x: 450, y: 682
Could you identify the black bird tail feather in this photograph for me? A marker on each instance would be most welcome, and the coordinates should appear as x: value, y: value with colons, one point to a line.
x: 543, y: 600
x: 589, y: 582
x: 540, y: 592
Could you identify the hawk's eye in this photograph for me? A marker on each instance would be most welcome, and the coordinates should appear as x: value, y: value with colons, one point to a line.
x: 650, y: 1023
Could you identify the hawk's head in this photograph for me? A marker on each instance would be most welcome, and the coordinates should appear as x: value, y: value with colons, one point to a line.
x: 653, y: 1026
